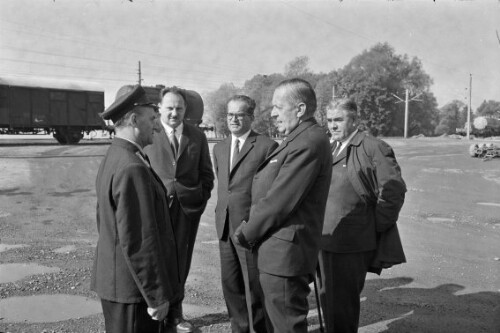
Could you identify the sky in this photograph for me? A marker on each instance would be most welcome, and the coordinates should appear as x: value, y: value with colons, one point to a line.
x: 199, y: 45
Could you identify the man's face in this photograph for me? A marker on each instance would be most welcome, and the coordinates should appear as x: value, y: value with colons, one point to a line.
x: 238, y: 120
x: 172, y: 109
x: 146, y: 125
x: 284, y: 113
x: 339, y: 124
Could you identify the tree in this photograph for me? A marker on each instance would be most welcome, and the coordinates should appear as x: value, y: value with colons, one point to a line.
x: 297, y: 67
x: 489, y: 109
x: 216, y: 102
x: 451, y: 116
x: 372, y: 78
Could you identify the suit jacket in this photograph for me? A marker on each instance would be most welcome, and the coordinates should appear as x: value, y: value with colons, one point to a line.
x: 375, y: 175
x: 234, y: 188
x: 188, y: 176
x: 289, y: 194
x: 133, y: 262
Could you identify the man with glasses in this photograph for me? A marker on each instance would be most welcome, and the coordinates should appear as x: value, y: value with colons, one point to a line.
x: 135, y: 269
x: 235, y: 161
x: 180, y: 156
x: 289, y: 193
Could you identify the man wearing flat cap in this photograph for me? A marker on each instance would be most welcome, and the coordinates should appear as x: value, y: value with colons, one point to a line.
x: 135, y: 269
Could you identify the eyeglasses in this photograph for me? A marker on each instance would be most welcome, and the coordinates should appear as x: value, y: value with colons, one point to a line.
x: 240, y: 116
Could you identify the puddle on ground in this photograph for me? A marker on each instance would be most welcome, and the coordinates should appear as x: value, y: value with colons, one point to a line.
x: 47, y: 308
x: 65, y: 249
x: 15, y: 272
x: 494, y: 204
x: 440, y: 219
x: 5, y: 247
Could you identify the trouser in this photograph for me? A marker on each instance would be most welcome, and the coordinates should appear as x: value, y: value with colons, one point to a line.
x: 185, y: 230
x: 128, y: 318
x: 241, y: 288
x: 285, y: 300
x: 342, y: 278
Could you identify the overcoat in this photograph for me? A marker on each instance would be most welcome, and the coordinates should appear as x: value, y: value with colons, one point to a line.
x: 136, y: 254
x: 289, y: 194
x: 375, y: 175
x: 234, y: 187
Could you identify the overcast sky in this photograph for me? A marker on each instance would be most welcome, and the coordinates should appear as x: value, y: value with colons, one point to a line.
x: 201, y: 44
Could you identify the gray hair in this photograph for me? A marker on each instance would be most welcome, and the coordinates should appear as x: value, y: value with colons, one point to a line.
x: 300, y: 91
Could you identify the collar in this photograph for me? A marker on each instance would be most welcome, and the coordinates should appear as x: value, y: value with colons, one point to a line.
x: 134, y: 143
x: 178, y: 130
x: 345, y: 142
x: 241, y: 138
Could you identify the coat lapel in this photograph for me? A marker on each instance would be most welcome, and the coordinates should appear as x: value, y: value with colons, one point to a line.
x: 224, y: 158
x: 184, y: 140
x: 302, y: 127
x: 247, y: 146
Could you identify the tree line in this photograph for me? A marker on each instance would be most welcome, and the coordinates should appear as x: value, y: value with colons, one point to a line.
x: 374, y: 79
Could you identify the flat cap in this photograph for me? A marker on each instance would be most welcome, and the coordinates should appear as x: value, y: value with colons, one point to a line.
x: 126, y: 98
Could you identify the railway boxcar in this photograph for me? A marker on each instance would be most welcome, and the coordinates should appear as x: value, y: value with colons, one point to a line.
x: 66, y: 109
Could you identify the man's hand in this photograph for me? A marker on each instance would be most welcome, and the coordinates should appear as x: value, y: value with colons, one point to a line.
x: 160, y: 312
x: 239, y: 238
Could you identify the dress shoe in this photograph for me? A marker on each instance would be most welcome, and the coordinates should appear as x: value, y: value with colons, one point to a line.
x: 181, y: 325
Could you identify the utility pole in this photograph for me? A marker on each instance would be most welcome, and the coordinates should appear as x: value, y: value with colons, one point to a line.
x: 407, y: 101
x: 139, y: 73
x: 470, y: 108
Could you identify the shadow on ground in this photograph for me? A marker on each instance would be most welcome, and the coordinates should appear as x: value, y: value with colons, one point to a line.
x: 391, y: 307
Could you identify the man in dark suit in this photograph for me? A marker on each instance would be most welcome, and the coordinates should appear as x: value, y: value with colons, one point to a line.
x: 289, y: 194
x: 135, y: 269
x: 235, y: 161
x: 180, y: 156
x: 366, y: 195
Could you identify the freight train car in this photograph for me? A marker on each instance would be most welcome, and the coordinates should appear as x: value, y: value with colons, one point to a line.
x: 65, y: 109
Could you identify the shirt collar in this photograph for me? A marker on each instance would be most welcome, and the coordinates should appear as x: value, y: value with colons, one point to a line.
x: 169, y: 130
x: 349, y: 138
x: 241, y: 138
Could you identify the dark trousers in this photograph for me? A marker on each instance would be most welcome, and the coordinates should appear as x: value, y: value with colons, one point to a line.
x: 128, y: 318
x: 185, y: 230
x: 342, y: 278
x: 285, y: 300
x: 241, y: 288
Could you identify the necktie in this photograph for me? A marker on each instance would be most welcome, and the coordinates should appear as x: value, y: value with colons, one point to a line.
x: 337, y: 149
x: 236, y: 151
x: 175, y: 143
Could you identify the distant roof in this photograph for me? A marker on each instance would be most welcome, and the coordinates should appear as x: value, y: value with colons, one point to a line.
x: 44, y: 82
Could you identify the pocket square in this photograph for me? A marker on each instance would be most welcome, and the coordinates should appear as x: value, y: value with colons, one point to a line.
x: 273, y: 161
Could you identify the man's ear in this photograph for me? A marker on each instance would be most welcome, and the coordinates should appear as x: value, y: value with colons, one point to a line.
x: 133, y: 119
x: 302, y: 109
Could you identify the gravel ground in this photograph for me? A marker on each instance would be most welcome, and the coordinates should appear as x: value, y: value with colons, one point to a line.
x: 450, y: 228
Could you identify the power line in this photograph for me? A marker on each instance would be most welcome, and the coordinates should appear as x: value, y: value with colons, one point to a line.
x: 114, y: 47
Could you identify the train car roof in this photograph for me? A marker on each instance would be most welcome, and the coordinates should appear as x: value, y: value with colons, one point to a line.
x: 53, y: 83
